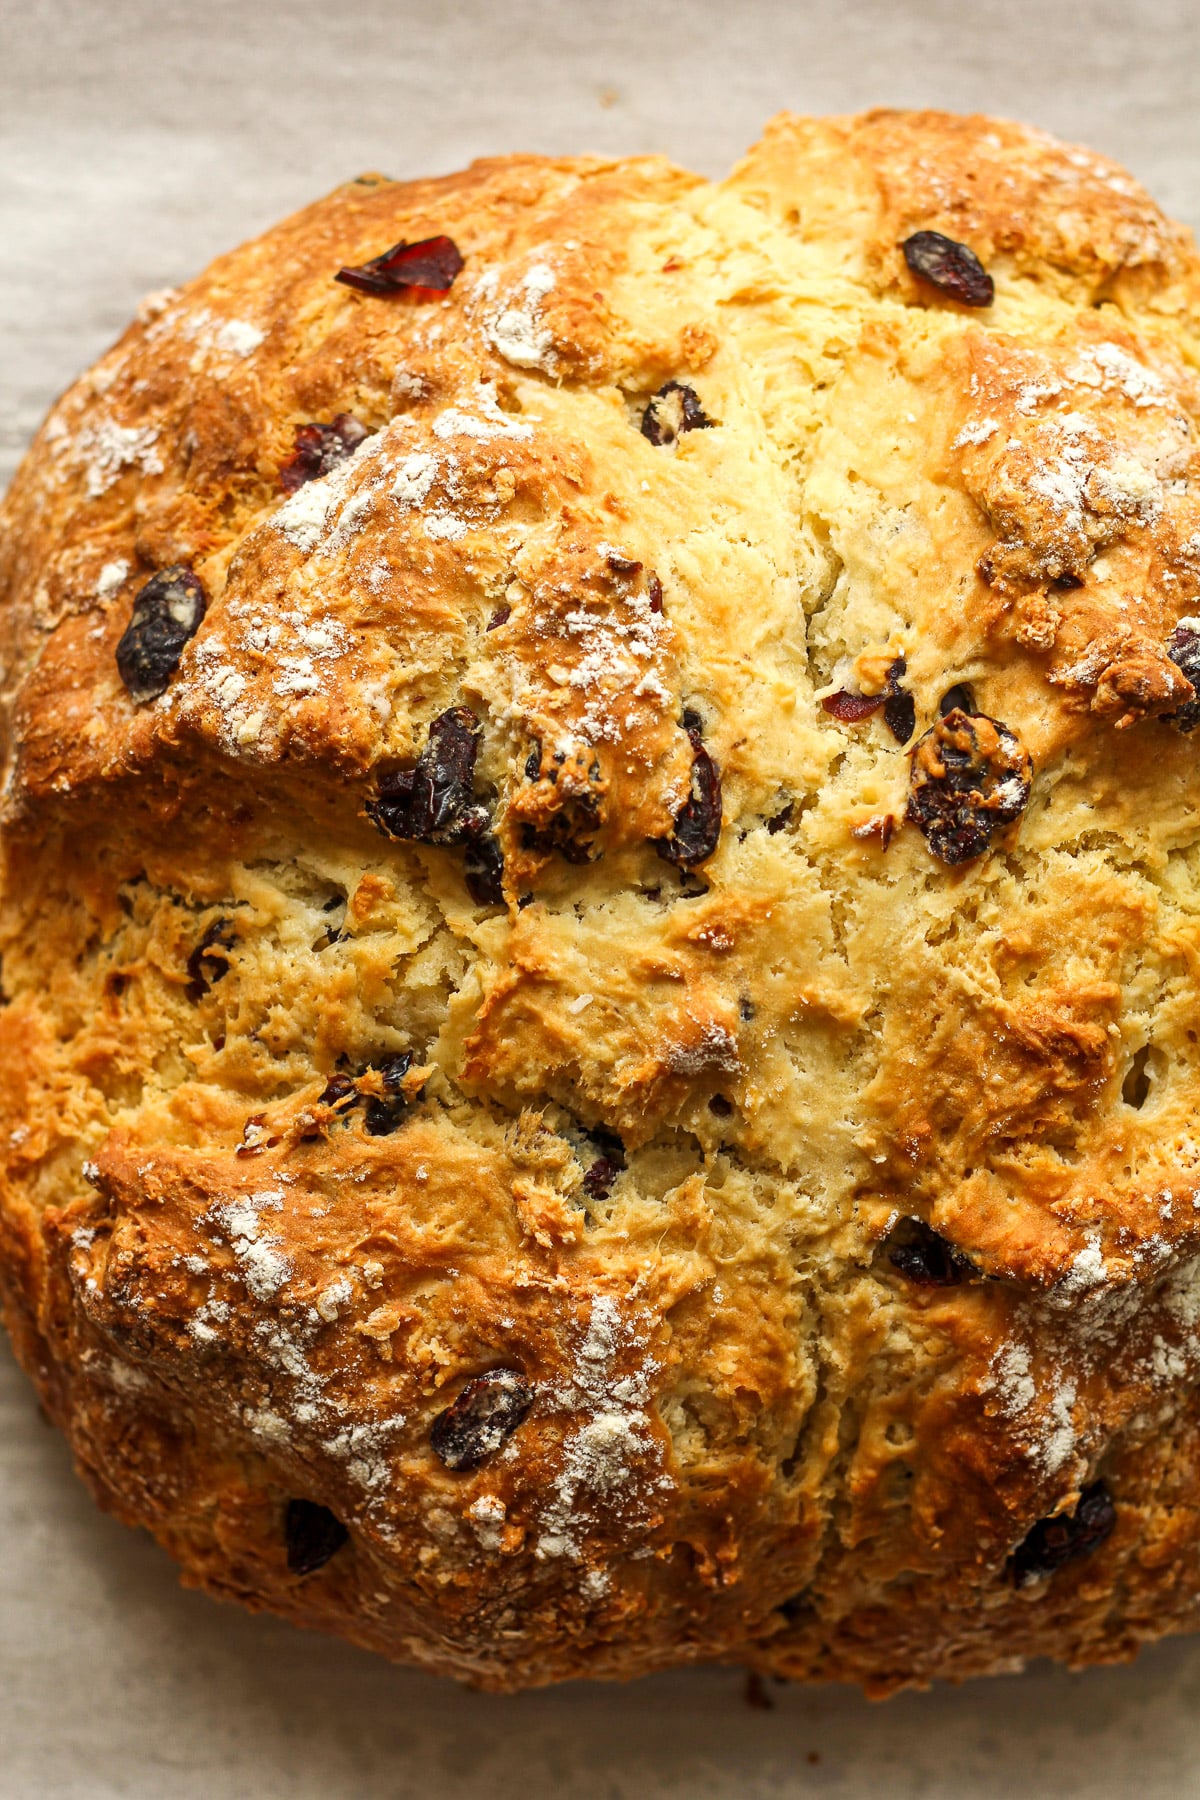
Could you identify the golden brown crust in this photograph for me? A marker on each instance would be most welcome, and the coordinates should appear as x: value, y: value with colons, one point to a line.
x: 305, y: 1125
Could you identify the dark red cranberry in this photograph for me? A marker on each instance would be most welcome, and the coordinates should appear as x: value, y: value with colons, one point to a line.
x: 654, y: 589
x: 900, y: 716
x: 209, y: 961
x: 924, y: 1257
x: 432, y: 263
x: 899, y: 707
x: 949, y: 266
x: 313, y: 1535
x: 384, y: 1112
x: 625, y: 566
x: 850, y: 708
x: 501, y: 616
x: 600, y: 1175
x: 339, y: 1089
x: 318, y: 449
x: 425, y: 804
x: 597, y: 1182
x: 697, y: 825
x: 483, y: 860
x: 1059, y: 1540
x: 674, y: 409
x: 971, y: 777
x: 1183, y: 648
x: 166, y: 613
x: 432, y: 803
x: 482, y: 1419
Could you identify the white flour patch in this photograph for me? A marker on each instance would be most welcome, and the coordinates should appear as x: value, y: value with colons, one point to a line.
x: 487, y: 420
x: 518, y: 330
x: 303, y: 517
x: 487, y: 1516
x: 239, y: 338
x: 106, y: 448
x: 1086, y: 1272
x: 414, y: 478
x: 110, y: 579
x: 1111, y: 369
x: 978, y: 433
x: 601, y: 1456
x: 364, y: 1450
x: 263, y: 1268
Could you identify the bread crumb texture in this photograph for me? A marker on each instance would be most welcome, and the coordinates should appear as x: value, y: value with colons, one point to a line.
x: 650, y: 854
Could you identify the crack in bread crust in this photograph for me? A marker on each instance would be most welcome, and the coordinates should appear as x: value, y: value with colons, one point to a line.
x: 305, y: 1126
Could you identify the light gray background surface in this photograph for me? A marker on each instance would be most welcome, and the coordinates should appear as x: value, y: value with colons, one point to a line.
x: 137, y: 139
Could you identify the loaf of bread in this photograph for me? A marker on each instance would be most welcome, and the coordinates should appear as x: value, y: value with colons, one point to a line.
x: 601, y: 919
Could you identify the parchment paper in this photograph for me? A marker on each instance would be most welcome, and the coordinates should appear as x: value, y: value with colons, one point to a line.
x: 137, y: 139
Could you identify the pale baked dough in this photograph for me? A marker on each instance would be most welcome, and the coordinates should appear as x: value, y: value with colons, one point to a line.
x: 740, y: 1421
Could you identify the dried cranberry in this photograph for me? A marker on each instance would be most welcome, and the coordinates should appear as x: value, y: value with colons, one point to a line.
x: 950, y: 266
x: 431, y: 803
x: 1059, y: 1540
x: 654, y: 589
x: 483, y: 863
x: 960, y: 697
x: 320, y: 448
x: 483, y: 1417
x: 209, y: 961
x: 924, y: 1257
x: 900, y: 716
x: 1183, y: 648
x: 425, y: 804
x: 166, y: 613
x: 601, y: 1174
x: 385, y: 1111
x: 674, y: 409
x: 899, y: 707
x: 698, y: 821
x: 970, y: 777
x: 597, y: 1182
x: 431, y: 263
x: 313, y: 1535
x: 338, y: 1089
x: 620, y: 564
x: 501, y: 616
x: 850, y: 708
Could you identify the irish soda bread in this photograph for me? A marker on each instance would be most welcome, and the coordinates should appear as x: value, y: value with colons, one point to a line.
x: 602, y: 913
